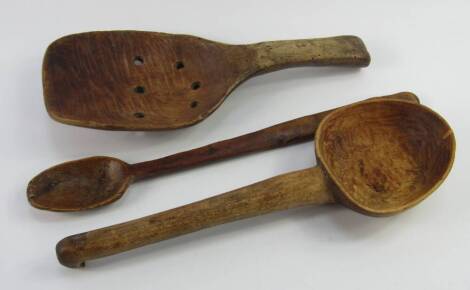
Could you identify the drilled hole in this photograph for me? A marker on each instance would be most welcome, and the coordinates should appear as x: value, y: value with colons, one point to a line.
x: 138, y: 60
x: 194, y: 104
x: 139, y: 115
x: 179, y: 65
x: 195, y: 85
x: 139, y: 89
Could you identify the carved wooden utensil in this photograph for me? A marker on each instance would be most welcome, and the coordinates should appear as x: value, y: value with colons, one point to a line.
x: 134, y: 80
x: 97, y: 181
x: 378, y: 158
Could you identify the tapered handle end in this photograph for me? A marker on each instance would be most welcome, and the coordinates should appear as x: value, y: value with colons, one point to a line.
x: 68, y: 251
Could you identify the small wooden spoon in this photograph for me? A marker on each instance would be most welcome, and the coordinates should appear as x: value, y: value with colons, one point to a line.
x: 97, y: 181
x: 378, y: 158
x: 135, y: 80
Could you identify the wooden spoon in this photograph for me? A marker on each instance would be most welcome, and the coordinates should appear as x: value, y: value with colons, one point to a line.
x: 378, y: 158
x: 134, y: 80
x: 97, y: 181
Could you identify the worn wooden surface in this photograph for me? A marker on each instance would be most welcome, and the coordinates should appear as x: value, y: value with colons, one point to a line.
x: 80, y: 184
x: 134, y: 80
x: 385, y: 156
x: 262, y: 197
x: 378, y: 157
x: 97, y: 181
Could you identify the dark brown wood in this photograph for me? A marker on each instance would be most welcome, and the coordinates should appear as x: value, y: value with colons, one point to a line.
x: 97, y: 181
x: 377, y: 157
x: 134, y: 80
x: 287, y: 133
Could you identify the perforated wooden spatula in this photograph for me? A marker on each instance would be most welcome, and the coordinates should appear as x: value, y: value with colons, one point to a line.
x: 134, y: 80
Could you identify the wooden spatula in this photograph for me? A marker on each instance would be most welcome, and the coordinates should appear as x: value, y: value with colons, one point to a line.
x: 134, y: 80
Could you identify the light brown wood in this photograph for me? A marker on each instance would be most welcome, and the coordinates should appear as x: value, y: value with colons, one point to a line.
x: 135, y: 80
x: 385, y: 156
x: 377, y: 157
x: 263, y: 197
x: 97, y: 181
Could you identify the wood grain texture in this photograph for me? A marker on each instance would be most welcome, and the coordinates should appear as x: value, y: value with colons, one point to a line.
x: 377, y: 157
x: 385, y: 156
x: 134, y: 80
x: 80, y: 184
x: 300, y: 188
x: 97, y: 181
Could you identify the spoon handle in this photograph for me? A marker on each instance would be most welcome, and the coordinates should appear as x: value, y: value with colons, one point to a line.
x: 338, y: 51
x: 294, y: 189
x: 280, y: 135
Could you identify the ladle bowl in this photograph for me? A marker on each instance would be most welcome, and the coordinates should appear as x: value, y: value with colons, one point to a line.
x: 385, y: 156
x: 378, y: 158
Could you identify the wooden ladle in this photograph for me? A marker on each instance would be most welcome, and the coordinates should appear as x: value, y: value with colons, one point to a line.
x: 135, y: 80
x: 97, y: 181
x: 378, y: 158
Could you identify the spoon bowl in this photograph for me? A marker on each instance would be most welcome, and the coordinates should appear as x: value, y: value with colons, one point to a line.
x: 85, y: 183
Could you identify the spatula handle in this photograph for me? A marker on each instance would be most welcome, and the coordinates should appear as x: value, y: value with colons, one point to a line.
x: 299, y: 188
x: 280, y: 135
x: 331, y: 51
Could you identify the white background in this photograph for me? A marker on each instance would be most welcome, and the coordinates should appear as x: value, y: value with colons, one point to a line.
x: 418, y: 46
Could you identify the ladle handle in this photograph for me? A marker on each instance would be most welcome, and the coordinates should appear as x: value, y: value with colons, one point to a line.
x: 299, y: 188
x: 280, y: 135
x: 332, y: 51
